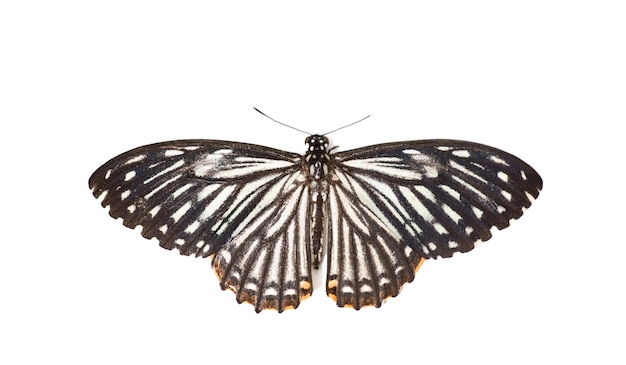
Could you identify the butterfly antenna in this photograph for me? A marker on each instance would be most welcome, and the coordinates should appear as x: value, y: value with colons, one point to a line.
x: 281, y: 123
x: 346, y: 126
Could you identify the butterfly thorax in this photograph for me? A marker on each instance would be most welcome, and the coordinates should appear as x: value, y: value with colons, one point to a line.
x: 317, y: 159
x: 317, y: 156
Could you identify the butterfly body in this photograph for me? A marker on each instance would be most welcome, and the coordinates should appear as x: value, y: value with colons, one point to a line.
x: 317, y: 159
x: 265, y: 216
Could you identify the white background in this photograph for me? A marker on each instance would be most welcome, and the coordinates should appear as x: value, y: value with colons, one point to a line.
x: 82, y: 81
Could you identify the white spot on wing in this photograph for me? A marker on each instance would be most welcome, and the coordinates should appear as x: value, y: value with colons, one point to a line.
x: 181, y: 211
x: 192, y: 227
x: 129, y: 175
x: 125, y: 194
x: 439, y: 228
x: 461, y: 153
x: 498, y: 160
x: 154, y: 211
x: 170, y: 153
x: 411, y: 151
x: 477, y: 212
x: 524, y: 176
x: 366, y: 288
x: 135, y: 159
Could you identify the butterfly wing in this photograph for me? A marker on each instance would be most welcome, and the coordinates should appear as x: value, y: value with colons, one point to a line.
x: 393, y: 205
x: 244, y: 204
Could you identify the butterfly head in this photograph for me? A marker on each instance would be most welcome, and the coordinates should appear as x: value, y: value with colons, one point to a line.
x: 316, y: 141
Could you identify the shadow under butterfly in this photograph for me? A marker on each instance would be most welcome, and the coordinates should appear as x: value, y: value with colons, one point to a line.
x: 264, y: 215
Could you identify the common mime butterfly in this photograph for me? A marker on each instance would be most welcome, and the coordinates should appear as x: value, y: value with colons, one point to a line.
x: 265, y: 216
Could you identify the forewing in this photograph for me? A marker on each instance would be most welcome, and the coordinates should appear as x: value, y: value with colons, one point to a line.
x: 394, y: 204
x: 205, y: 197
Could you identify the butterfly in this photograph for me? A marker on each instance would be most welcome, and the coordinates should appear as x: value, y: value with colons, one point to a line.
x: 265, y: 216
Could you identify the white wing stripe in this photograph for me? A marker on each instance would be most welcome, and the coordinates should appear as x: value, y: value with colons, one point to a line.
x: 465, y: 171
x: 165, y: 171
x: 181, y: 211
x: 163, y: 185
x: 216, y: 203
x: 244, y: 167
x: 390, y: 166
x: 416, y: 203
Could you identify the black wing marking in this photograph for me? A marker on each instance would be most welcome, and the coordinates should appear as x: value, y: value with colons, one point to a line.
x: 396, y: 203
x: 208, y: 198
